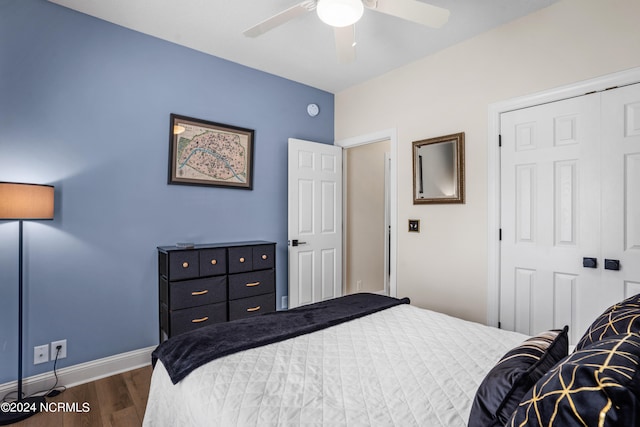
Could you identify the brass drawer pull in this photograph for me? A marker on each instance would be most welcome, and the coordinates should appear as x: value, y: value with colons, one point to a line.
x: 214, y: 261
x: 253, y: 309
x: 200, y: 320
x: 196, y: 293
x: 241, y: 259
x: 249, y: 285
x: 264, y: 257
x: 185, y: 264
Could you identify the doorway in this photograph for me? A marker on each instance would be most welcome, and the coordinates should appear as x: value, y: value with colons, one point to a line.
x: 366, y: 249
x: 361, y: 151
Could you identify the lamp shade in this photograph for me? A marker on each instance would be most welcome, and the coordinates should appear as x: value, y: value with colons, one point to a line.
x: 26, y: 201
x: 340, y: 13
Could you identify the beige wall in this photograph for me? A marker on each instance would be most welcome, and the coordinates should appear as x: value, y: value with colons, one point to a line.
x: 365, y: 217
x: 444, y: 267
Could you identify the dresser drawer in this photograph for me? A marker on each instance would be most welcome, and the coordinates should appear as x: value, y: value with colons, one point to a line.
x: 252, y: 306
x: 192, y: 318
x: 264, y: 257
x: 195, y: 292
x: 250, y: 284
x: 213, y: 262
x: 240, y: 259
x: 179, y: 265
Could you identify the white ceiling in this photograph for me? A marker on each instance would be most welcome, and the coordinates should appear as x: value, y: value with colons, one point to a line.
x: 303, y: 50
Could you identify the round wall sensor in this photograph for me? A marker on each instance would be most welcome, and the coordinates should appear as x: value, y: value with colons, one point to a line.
x: 313, y: 110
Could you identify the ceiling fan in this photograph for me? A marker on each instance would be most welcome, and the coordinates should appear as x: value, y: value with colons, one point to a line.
x: 343, y: 14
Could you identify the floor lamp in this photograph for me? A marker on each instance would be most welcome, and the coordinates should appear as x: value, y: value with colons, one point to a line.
x: 23, y: 202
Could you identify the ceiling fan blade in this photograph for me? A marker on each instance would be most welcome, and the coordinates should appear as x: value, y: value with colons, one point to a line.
x: 411, y: 10
x: 345, y: 43
x: 280, y: 18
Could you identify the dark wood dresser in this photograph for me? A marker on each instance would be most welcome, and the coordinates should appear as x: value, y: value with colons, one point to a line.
x: 213, y: 283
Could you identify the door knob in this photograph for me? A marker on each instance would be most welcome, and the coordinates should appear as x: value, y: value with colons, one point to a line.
x: 611, y: 264
x: 295, y: 242
x: 590, y: 262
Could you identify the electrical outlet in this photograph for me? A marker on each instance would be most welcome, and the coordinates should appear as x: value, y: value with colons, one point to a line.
x: 54, y: 349
x: 40, y: 354
x: 285, y: 302
x: 359, y: 285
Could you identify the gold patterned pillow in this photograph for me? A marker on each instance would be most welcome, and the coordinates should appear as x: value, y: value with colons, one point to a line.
x: 620, y: 318
x: 596, y: 386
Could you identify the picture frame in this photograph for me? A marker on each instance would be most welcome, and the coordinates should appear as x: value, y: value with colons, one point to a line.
x: 438, y: 170
x: 207, y: 153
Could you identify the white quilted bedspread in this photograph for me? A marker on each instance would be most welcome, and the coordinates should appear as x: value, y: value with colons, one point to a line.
x: 403, y: 366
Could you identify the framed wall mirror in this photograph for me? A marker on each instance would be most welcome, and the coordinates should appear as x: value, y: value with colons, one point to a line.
x: 438, y: 170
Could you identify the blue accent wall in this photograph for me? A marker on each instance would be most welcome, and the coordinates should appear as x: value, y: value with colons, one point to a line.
x: 84, y: 105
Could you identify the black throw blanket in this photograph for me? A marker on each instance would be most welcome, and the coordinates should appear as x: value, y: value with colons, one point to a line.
x: 185, y: 352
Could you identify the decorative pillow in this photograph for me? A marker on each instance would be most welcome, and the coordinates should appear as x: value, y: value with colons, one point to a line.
x: 518, y: 370
x: 620, y: 318
x: 596, y: 386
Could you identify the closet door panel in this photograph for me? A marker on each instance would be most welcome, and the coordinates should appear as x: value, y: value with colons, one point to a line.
x: 550, y: 197
x: 621, y: 188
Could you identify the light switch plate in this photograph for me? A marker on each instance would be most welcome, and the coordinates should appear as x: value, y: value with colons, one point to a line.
x: 414, y: 225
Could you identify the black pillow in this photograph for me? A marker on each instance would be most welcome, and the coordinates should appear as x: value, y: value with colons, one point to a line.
x: 518, y: 370
x: 620, y: 318
x: 596, y: 386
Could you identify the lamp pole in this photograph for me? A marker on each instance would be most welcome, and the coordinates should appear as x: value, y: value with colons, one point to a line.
x: 20, y: 298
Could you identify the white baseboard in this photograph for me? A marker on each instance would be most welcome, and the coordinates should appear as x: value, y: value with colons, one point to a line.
x: 83, y: 372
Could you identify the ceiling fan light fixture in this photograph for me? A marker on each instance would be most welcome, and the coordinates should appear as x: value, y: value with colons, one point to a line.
x: 339, y: 13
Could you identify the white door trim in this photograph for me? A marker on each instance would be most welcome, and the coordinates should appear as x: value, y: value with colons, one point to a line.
x: 383, y: 135
x: 621, y: 78
x: 387, y: 222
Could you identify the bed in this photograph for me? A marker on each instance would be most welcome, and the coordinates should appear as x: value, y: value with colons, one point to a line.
x: 399, y: 365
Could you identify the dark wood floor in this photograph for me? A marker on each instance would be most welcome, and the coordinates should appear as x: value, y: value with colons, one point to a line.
x: 119, y: 400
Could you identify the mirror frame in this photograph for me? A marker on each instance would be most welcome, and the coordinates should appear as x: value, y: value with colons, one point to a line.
x: 458, y: 139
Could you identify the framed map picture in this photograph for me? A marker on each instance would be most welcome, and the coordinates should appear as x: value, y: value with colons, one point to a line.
x: 208, y: 153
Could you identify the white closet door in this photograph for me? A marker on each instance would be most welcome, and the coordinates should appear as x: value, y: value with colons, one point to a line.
x: 570, y: 190
x: 550, y: 205
x: 621, y: 189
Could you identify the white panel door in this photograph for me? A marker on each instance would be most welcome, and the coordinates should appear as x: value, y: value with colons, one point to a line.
x: 550, y: 206
x: 570, y: 190
x: 621, y: 189
x: 315, y: 222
